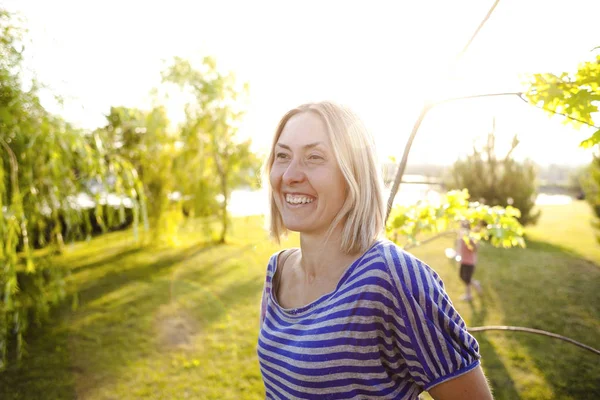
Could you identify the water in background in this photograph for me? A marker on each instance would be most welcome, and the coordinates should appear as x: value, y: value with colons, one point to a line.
x: 256, y: 202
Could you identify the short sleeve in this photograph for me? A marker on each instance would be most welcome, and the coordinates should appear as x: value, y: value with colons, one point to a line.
x: 432, y: 337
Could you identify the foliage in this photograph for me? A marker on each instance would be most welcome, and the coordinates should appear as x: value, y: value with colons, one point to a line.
x: 427, y: 218
x: 142, y: 138
x: 45, y: 195
x: 576, y: 95
x: 210, y: 135
x: 590, y: 183
x: 575, y: 181
x: 60, y: 184
x: 497, y: 181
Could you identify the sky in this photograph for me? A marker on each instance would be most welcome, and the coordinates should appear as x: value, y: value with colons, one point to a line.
x: 381, y: 58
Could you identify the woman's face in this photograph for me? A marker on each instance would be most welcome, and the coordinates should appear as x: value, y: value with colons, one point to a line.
x: 308, y: 186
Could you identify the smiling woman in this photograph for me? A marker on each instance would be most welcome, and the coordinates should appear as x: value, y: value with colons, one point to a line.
x: 308, y: 188
x: 321, y: 157
x: 350, y: 315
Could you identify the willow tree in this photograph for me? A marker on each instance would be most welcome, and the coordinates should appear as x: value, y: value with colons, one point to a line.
x: 46, y: 167
x: 144, y: 139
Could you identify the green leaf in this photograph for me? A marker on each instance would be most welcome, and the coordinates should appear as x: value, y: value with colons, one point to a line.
x: 591, y: 141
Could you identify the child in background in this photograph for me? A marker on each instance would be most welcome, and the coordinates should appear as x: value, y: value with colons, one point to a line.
x: 468, y: 259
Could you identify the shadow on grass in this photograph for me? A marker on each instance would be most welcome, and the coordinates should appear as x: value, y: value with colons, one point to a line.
x: 80, y: 351
x: 551, y: 288
x: 496, y: 372
x: 555, y: 248
x: 46, y: 373
x: 113, y: 258
x: 134, y: 269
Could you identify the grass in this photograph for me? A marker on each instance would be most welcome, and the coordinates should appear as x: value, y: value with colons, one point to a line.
x: 570, y: 228
x: 181, y: 321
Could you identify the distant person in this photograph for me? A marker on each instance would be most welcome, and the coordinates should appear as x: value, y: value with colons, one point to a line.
x: 349, y: 314
x: 467, y: 251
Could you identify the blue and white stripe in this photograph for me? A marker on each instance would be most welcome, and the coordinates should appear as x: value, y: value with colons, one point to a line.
x: 388, y: 331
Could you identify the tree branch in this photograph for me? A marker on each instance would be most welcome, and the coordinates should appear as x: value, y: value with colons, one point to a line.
x: 556, y: 112
x: 402, y: 165
x: 534, y: 331
x: 430, y: 239
x: 16, y: 196
x: 476, y: 96
x: 14, y: 167
x: 424, y: 111
x: 488, y: 15
x: 520, y: 95
x: 426, y: 108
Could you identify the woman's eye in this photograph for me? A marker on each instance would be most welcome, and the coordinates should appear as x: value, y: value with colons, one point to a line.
x: 315, y: 157
x: 281, y: 156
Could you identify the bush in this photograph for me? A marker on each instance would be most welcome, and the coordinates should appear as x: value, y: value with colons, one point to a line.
x: 497, y: 181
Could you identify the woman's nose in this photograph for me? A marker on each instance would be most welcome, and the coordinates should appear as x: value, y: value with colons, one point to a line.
x: 293, y: 174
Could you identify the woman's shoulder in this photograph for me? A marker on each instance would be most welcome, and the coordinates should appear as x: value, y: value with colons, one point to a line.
x: 278, y: 257
x: 405, y: 268
x: 395, y: 256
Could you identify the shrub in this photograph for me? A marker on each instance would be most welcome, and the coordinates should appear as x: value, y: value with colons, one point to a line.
x: 497, y: 181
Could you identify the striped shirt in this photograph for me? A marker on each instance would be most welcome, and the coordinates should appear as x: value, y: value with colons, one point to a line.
x: 388, y: 331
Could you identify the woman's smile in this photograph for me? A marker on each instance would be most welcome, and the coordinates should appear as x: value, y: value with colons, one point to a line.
x: 297, y: 200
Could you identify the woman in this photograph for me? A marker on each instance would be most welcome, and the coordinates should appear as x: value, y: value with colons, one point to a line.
x: 350, y: 315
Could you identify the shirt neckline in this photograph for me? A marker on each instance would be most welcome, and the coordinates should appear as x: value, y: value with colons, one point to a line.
x: 296, y: 311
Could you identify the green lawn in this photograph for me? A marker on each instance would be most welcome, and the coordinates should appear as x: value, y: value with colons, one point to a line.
x: 181, y: 322
x: 568, y: 227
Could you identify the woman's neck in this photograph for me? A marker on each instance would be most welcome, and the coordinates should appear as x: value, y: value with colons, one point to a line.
x: 322, y: 257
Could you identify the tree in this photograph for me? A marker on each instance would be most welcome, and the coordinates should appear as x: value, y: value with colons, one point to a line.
x: 574, y: 95
x: 589, y: 180
x: 143, y: 139
x: 497, y: 181
x: 45, y: 168
x: 210, y: 136
x: 426, y: 220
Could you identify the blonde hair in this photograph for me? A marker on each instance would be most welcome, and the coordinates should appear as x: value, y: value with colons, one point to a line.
x: 354, y: 150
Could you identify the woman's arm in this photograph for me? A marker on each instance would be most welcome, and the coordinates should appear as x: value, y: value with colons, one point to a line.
x: 472, y: 386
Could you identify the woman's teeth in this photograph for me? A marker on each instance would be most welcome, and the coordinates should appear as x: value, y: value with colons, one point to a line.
x: 298, y: 199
